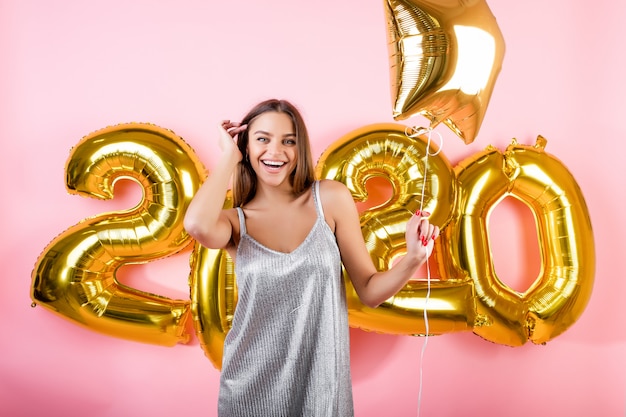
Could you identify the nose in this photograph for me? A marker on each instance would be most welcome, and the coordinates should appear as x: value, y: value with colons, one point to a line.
x: 275, y: 147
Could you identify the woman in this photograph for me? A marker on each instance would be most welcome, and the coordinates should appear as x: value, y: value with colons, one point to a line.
x: 287, y: 353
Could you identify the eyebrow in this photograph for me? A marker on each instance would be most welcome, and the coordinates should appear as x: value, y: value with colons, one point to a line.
x: 263, y: 132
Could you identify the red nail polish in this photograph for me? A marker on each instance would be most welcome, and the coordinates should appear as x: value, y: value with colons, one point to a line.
x: 418, y: 213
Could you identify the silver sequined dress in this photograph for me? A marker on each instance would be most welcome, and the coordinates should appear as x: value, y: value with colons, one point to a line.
x: 287, y: 353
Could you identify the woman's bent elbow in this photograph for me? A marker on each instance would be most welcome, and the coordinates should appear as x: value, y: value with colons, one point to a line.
x: 370, y: 301
x: 196, y: 231
x: 208, y: 237
x: 191, y: 227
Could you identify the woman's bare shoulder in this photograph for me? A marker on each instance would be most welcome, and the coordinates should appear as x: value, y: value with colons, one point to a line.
x: 333, y: 188
x: 336, y: 197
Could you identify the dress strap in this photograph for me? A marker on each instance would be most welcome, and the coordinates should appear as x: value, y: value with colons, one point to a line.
x: 317, y: 199
x: 242, y: 221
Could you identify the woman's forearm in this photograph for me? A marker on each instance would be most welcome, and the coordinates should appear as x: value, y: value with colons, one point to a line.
x: 385, y: 284
x: 202, y: 219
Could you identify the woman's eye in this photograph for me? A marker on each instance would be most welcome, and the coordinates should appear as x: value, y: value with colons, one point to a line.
x: 289, y: 141
x: 261, y: 139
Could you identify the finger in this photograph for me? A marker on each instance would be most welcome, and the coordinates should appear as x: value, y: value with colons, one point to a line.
x: 412, y: 226
x: 235, y: 130
x: 423, y: 228
x: 227, y: 124
x: 428, y: 231
x: 416, y: 220
x: 424, y: 232
x: 420, y: 213
x: 431, y: 234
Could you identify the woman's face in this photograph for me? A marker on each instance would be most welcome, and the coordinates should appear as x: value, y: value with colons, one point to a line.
x: 272, y: 147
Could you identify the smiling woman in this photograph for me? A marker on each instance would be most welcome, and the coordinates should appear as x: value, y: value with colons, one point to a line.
x: 288, y: 350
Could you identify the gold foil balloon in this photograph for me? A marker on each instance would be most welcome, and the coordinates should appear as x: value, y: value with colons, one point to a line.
x: 561, y: 292
x: 385, y: 150
x: 445, y: 56
x: 75, y: 275
x: 213, y: 297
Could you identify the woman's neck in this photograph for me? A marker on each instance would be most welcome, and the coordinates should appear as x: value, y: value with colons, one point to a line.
x: 274, y: 196
x: 266, y: 193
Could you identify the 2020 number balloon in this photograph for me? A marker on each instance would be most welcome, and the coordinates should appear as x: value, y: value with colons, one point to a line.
x: 75, y: 275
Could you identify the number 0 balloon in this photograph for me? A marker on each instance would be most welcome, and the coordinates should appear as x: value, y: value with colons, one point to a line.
x: 560, y: 293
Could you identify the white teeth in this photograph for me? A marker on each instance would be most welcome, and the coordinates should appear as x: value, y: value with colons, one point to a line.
x: 274, y: 163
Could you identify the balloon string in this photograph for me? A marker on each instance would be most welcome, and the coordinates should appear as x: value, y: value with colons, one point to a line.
x: 427, y: 331
x: 416, y: 132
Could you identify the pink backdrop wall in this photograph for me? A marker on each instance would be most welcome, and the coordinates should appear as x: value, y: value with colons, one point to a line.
x: 72, y: 67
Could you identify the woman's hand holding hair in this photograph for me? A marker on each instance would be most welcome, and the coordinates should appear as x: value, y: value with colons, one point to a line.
x: 228, y: 131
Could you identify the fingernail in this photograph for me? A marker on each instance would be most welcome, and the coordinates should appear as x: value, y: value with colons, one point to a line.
x: 418, y: 213
x: 425, y: 214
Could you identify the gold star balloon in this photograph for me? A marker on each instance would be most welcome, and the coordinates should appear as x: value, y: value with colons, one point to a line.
x: 445, y: 56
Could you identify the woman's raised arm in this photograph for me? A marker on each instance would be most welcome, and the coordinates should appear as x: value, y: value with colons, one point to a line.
x: 205, y: 220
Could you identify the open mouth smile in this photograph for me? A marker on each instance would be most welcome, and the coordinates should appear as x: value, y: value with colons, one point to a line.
x: 273, y: 164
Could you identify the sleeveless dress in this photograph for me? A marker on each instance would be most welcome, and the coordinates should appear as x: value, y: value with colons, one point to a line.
x: 288, y: 353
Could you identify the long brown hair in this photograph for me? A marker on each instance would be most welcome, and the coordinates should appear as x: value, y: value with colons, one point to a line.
x: 245, y: 180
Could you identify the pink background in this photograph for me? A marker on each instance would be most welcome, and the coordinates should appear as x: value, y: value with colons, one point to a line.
x: 72, y: 67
